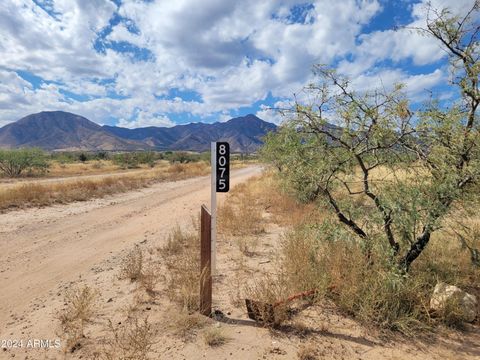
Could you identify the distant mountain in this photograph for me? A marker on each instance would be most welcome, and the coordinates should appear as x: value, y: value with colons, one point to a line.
x: 58, y: 130
x: 243, y: 133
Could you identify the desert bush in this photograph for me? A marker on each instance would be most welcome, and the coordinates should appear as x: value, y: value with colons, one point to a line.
x: 133, y: 160
x: 184, y: 324
x: 132, y: 265
x: 82, y: 157
x: 80, y: 310
x: 372, y: 288
x: 150, y: 278
x: 67, y: 157
x: 184, y: 157
x: 431, y: 153
x: 132, y: 339
x: 14, y: 163
x: 181, y: 256
x: 307, y: 351
x: 176, y: 242
x: 315, y: 253
x: 214, y: 337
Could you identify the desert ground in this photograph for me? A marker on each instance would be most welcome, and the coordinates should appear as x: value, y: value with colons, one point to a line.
x: 48, y: 250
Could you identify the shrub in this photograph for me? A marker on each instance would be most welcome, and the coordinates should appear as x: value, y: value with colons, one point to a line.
x: 132, y: 265
x: 80, y: 309
x: 184, y: 324
x: 182, y: 259
x: 133, y: 160
x: 214, y: 337
x: 307, y: 351
x: 14, y: 163
x: 132, y: 339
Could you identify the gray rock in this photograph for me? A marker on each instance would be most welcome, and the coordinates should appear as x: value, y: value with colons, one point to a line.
x: 444, y: 293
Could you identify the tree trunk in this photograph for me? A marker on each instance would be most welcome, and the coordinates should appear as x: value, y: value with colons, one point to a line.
x: 415, y: 250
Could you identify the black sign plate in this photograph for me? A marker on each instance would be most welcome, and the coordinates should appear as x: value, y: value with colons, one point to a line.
x: 223, y: 167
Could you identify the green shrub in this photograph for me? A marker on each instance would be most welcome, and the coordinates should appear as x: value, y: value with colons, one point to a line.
x: 14, y: 163
x: 132, y: 160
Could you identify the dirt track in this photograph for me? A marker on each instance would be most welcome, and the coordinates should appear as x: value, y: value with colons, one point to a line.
x: 45, y: 248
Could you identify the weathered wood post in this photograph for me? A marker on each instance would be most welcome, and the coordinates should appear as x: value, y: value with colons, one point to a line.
x: 205, y: 262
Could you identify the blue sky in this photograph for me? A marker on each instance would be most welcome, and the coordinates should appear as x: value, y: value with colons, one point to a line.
x: 137, y: 63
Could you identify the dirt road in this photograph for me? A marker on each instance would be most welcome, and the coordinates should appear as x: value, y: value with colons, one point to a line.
x: 45, y: 249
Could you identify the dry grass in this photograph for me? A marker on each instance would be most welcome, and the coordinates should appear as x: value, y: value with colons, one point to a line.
x: 92, y: 167
x: 267, y: 291
x: 133, y: 339
x: 185, y: 325
x: 181, y: 257
x: 214, y: 337
x: 135, y: 268
x: 39, y: 194
x: 240, y: 214
x: 317, y: 253
x: 131, y: 267
x: 282, y: 208
x: 307, y: 351
x: 80, y: 310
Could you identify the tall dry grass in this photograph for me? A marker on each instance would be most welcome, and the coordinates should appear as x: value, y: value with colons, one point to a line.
x: 316, y: 252
x: 91, y: 167
x: 39, y: 194
x: 241, y: 213
x: 181, y: 257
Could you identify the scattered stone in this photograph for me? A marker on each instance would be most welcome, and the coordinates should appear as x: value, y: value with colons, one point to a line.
x: 444, y: 293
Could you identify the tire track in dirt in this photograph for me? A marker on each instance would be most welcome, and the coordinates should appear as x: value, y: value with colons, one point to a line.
x: 42, y: 248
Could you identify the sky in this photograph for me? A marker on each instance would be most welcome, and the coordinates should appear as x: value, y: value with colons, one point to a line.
x: 137, y: 63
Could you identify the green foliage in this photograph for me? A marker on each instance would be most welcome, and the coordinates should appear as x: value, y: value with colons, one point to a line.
x: 184, y: 157
x: 67, y: 157
x: 133, y: 160
x: 14, y: 163
x: 389, y: 174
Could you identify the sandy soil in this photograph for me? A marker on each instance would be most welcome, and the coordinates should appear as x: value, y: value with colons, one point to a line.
x: 43, y: 250
x: 47, y: 250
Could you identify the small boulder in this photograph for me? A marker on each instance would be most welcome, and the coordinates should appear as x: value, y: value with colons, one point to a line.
x: 444, y: 293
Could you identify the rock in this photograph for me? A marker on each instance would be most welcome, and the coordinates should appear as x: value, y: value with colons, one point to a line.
x: 444, y: 293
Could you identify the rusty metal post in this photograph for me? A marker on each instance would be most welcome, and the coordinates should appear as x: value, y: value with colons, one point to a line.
x: 205, y: 262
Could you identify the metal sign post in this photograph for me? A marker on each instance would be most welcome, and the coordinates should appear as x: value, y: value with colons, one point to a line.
x: 220, y: 162
x: 220, y: 182
x: 213, y: 207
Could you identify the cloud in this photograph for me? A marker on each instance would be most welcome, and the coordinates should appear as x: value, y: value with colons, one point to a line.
x: 144, y: 119
x: 119, y: 63
x: 274, y: 113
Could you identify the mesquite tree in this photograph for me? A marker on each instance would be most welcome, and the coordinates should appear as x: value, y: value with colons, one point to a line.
x: 13, y: 163
x: 388, y: 173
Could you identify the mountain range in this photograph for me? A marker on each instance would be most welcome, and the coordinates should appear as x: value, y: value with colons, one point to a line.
x: 59, y: 130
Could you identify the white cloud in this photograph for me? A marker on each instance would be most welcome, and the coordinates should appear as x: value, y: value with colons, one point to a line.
x: 275, y: 114
x: 231, y: 54
x: 144, y: 119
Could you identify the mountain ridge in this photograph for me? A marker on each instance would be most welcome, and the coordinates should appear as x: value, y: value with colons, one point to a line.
x: 59, y: 130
